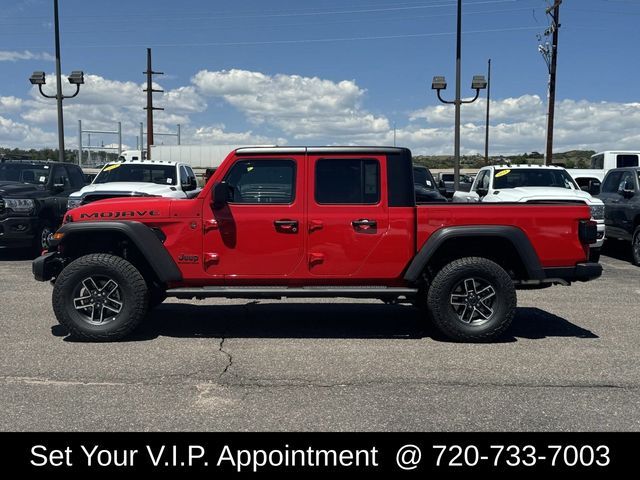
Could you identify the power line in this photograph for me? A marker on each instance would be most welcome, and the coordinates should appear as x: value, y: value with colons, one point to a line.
x: 295, y: 41
x: 285, y: 14
x: 288, y: 25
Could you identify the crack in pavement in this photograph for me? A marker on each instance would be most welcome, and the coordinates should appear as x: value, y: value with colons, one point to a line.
x: 229, y: 357
x: 298, y: 383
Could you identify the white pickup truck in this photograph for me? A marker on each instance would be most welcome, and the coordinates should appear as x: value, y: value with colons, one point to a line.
x: 533, y: 184
x: 590, y: 179
x: 138, y: 178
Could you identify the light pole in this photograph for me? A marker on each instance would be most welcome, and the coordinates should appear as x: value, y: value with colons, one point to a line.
x: 439, y: 83
x: 76, y: 78
x: 486, y: 128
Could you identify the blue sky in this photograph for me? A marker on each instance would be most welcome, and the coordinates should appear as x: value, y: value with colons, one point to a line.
x: 330, y: 72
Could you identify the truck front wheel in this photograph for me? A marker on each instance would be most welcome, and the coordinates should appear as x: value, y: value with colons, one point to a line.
x: 472, y: 299
x: 100, y: 297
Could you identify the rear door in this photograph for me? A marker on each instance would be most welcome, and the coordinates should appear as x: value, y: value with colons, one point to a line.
x: 347, y: 212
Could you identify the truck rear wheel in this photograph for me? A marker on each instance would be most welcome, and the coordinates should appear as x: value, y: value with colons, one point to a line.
x: 100, y: 297
x: 472, y: 299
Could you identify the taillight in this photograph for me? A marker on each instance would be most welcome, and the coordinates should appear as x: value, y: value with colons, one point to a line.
x: 588, y: 231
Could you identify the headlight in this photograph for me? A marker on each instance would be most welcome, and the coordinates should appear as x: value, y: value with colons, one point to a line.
x: 597, y: 212
x: 73, y: 203
x: 20, y: 205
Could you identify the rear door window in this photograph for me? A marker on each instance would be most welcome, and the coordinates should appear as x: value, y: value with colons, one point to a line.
x: 347, y: 181
x: 612, y: 182
x: 623, y: 161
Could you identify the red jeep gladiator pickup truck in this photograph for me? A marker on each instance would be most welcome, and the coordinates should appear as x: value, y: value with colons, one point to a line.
x: 278, y: 222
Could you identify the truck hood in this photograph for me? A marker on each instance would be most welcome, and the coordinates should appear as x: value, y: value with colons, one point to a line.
x: 17, y: 189
x: 529, y: 194
x: 123, y: 208
x: 125, y: 187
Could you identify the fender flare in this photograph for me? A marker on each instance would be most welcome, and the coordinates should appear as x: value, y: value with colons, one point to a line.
x: 139, y: 234
x: 514, y: 235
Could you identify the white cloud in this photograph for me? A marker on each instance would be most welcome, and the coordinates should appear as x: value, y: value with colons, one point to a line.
x: 14, y: 56
x: 507, y: 109
x: 302, y: 107
x: 216, y: 135
x: 16, y: 134
x: 519, y: 125
x: 102, y: 103
x: 10, y: 104
x: 284, y: 109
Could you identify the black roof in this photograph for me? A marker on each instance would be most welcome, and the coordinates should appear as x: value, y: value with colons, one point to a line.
x: 625, y: 169
x: 319, y: 150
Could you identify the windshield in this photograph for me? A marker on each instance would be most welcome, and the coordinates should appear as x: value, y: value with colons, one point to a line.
x: 532, y: 177
x: 421, y: 176
x: 124, y: 172
x: 24, y: 173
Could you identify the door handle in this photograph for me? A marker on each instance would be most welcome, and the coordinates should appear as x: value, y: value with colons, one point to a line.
x: 364, y: 224
x: 315, y: 225
x: 286, y: 226
x: 211, y: 224
x: 315, y: 259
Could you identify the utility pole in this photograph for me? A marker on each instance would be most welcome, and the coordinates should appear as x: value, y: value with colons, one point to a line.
x: 150, y: 108
x: 486, y: 129
x: 550, y: 54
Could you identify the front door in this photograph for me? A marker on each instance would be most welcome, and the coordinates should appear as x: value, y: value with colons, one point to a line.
x: 616, y: 221
x: 258, y: 232
x: 347, y: 212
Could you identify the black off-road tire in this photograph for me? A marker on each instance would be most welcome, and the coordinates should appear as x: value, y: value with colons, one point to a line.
x: 594, y: 255
x: 635, y: 247
x: 448, y: 281
x: 132, y: 292
x: 45, y: 228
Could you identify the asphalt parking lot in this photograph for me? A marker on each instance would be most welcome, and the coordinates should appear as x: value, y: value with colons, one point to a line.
x: 570, y: 361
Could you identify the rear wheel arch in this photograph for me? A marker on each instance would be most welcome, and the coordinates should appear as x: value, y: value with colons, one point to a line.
x: 507, y: 246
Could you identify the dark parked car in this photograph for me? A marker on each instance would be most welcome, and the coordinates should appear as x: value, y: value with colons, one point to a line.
x: 621, y: 196
x: 446, y: 184
x: 33, y: 200
x: 425, y: 186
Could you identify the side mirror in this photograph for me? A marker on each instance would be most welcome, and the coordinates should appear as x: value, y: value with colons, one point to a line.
x: 220, y: 195
x: 594, y: 188
x: 190, y: 185
x: 58, y: 187
x: 482, y: 192
x: 627, y: 193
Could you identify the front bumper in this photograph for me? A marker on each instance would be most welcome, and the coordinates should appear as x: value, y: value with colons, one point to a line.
x: 601, y: 231
x: 582, y: 272
x: 17, y: 232
x: 47, y: 266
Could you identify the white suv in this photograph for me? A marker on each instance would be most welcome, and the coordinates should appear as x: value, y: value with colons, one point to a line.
x: 530, y: 184
x: 138, y: 178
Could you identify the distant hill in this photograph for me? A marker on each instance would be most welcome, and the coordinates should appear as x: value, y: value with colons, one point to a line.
x: 570, y: 159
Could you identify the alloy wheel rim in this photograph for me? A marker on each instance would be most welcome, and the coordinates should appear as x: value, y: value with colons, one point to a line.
x: 44, y: 237
x: 98, y: 300
x: 473, y: 301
